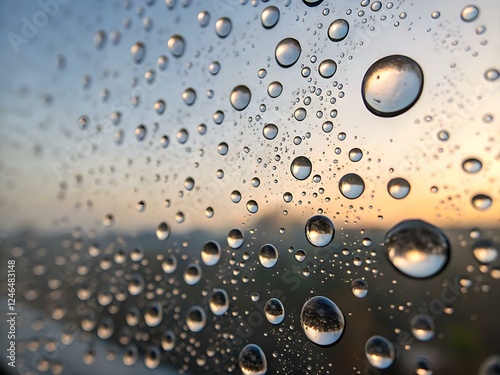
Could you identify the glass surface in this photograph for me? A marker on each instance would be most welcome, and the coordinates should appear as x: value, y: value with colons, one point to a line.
x: 180, y: 178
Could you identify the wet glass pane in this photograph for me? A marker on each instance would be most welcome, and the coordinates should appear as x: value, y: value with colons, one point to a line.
x: 249, y: 187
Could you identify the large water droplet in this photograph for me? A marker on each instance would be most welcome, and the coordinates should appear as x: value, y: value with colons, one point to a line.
x: 235, y: 238
x: 287, y: 52
x: 210, y: 254
x: 469, y: 13
x: 252, y: 206
x: 485, y: 251
x: 472, y: 165
x: 301, y: 167
x: 240, y: 97
x: 417, y: 249
x: 322, y: 321
x: 481, y: 202
x: 252, y: 360
x: 380, y: 352
x: 223, y: 27
x: 218, y: 302
x: 319, y: 231
x: 270, y: 16
x: 422, y: 327
x: 398, y: 188
x: 351, y: 186
x: 274, y: 89
x: 162, y: 231
x: 176, y: 45
x: 196, y: 319
x: 268, y: 255
x: 338, y: 30
x: 392, y: 85
x: 274, y: 311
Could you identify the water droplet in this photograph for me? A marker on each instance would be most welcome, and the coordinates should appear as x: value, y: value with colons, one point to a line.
x: 270, y: 131
x: 274, y: 89
x: 359, y: 288
x: 491, y: 75
x: 376, y: 6
x: 481, y: 202
x: 108, y: 220
x: 270, y: 16
x: 189, y: 96
x: 355, y: 155
x: 398, y: 188
x: 153, y: 314
x: 168, y: 340
x: 222, y: 148
x: 301, y: 167
x: 152, y: 357
x: 300, y: 114
x: 274, y: 311
x: 392, y: 85
x: 196, y: 319
x: 203, y: 18
x: 319, y: 231
x: 169, y: 264
x: 235, y: 238
x: 380, y: 352
x: 218, y: 302
x: 472, y: 165
x: 491, y: 366
x: 417, y: 249
x: 223, y: 27
x: 162, y: 231
x: 422, y: 327
x: 287, y: 52
x: 214, y: 68
x: 327, y: 68
x: 469, y: 13
x: 252, y: 206
x: 485, y: 251
x: 327, y: 126
x: 240, y: 97
x: 338, y: 30
x: 138, y: 50
x: 192, y: 274
x: 176, y: 45
x: 211, y: 252
x: 100, y: 39
x: 435, y: 15
x: 83, y: 122
x: 140, y: 132
x: 351, y: 186
x: 423, y: 367
x: 252, y: 360
x: 130, y: 355
x: 322, y: 321
x: 268, y: 255
x: 159, y: 107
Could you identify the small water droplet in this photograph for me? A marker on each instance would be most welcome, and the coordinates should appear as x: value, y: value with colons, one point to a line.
x: 355, y: 155
x: 485, y: 251
x: 327, y: 68
x: 223, y: 27
x: 218, y: 302
x: 235, y: 238
x: 192, y: 274
x: 270, y: 16
x: 274, y: 311
x: 196, y: 319
x: 422, y: 327
x: 481, y: 202
x: 359, y: 288
x: 176, y: 45
x: 138, y: 51
x: 274, y: 89
x: 162, y: 231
